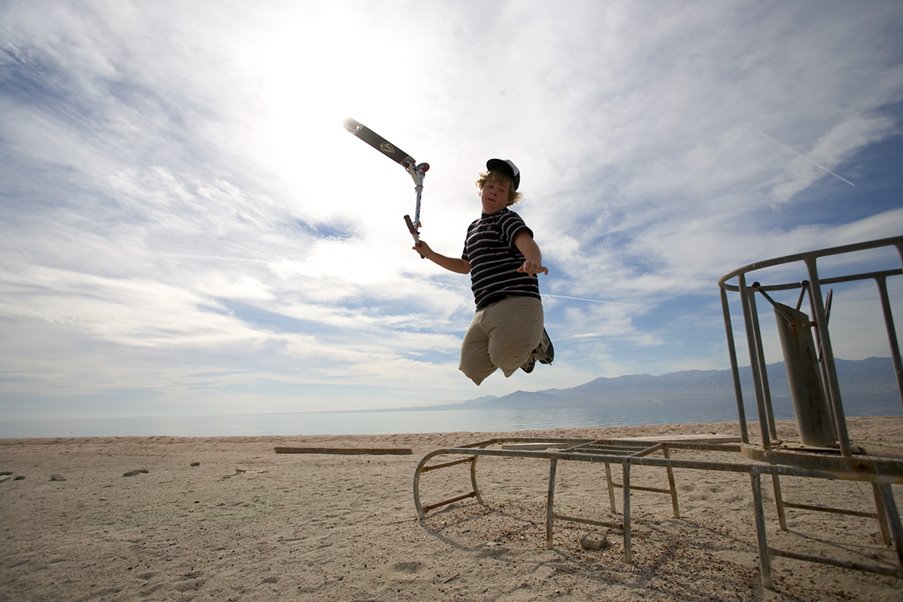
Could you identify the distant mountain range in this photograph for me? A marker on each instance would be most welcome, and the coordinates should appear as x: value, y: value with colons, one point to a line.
x: 872, y: 375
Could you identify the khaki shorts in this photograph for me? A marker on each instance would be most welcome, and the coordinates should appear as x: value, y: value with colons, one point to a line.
x: 502, y: 335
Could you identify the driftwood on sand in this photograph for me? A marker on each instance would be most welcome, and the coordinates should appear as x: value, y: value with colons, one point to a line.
x: 372, y: 451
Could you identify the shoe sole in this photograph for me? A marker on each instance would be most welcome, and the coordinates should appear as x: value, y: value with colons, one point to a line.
x: 549, y: 355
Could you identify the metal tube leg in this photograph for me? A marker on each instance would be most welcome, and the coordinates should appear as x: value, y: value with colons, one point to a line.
x: 752, y: 336
x: 891, y: 332
x: 882, y: 514
x: 671, y: 485
x: 550, y: 501
x: 764, y: 558
x: 473, y: 480
x: 735, y: 371
x: 779, y: 501
x: 832, y: 385
x: 611, y: 489
x: 628, y: 550
x: 893, y: 517
x: 420, y: 513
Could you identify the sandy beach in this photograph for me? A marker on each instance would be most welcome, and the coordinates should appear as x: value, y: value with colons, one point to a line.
x: 164, y: 518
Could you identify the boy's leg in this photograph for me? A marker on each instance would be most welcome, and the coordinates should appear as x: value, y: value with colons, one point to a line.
x: 475, y: 361
x: 514, y: 326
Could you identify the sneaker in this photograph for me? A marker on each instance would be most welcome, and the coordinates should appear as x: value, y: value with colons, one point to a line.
x: 545, y: 351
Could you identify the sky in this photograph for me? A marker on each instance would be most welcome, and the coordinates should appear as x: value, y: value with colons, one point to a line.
x: 187, y: 229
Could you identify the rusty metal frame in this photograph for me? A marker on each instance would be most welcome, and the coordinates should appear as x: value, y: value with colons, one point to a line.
x: 768, y: 457
x: 738, y: 282
x: 799, y: 453
x: 881, y: 471
x: 607, y: 451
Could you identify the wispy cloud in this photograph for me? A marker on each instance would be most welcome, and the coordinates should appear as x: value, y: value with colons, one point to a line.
x: 186, y: 226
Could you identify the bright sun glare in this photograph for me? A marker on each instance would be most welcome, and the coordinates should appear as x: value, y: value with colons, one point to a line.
x: 315, y: 73
x: 311, y: 74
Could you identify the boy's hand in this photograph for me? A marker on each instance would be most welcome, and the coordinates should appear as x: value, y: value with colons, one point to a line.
x: 422, y: 248
x: 532, y: 268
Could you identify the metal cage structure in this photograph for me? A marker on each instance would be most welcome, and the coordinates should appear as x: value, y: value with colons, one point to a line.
x: 812, y: 283
x: 824, y: 451
x: 824, y: 440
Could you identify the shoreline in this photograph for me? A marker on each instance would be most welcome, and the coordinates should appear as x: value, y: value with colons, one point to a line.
x: 460, y: 435
x: 166, y: 517
x: 787, y: 427
x: 393, y: 421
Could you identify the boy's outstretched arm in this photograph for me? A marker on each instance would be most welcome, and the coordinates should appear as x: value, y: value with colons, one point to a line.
x: 532, y: 255
x: 452, y: 264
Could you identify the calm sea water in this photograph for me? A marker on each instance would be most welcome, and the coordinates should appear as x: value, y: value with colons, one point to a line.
x: 428, y: 421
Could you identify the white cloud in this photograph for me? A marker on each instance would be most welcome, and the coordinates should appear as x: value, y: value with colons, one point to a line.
x: 836, y: 145
x: 176, y: 177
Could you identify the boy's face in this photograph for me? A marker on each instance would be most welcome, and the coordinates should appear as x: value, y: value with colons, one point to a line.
x: 495, y: 194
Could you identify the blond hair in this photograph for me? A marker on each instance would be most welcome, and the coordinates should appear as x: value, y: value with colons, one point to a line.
x: 513, y: 195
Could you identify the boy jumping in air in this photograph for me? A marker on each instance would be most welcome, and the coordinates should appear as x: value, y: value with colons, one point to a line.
x: 503, y: 261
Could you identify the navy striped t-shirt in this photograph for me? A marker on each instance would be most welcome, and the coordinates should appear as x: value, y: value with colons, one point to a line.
x: 494, y: 259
